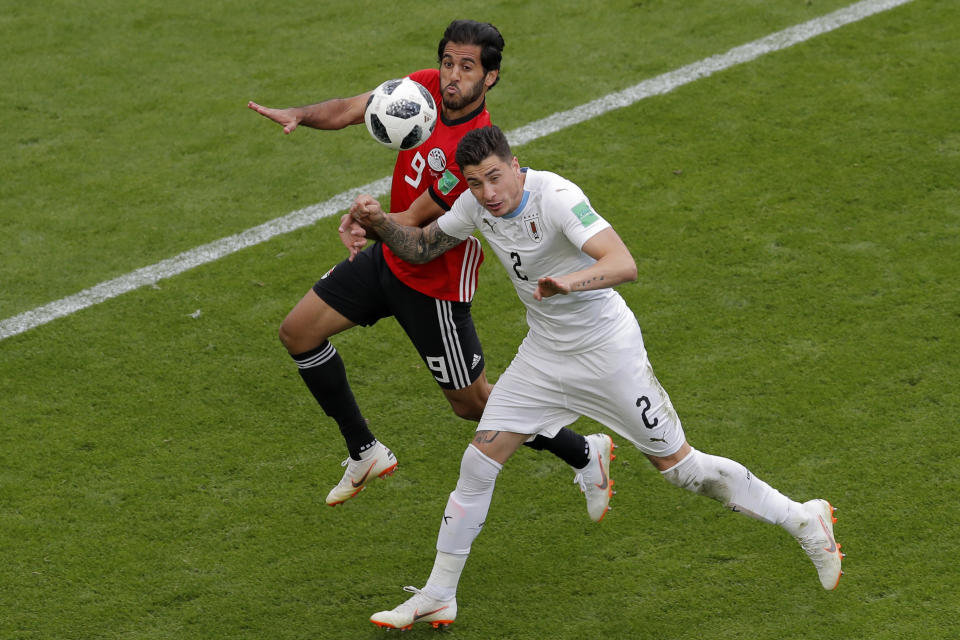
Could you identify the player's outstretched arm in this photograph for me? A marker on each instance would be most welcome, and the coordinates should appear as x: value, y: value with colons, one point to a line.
x: 286, y: 118
x: 413, y: 244
x: 336, y: 113
x: 614, y: 265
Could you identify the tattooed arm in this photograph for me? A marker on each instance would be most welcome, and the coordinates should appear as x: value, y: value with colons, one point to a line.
x: 422, y: 212
x: 413, y: 244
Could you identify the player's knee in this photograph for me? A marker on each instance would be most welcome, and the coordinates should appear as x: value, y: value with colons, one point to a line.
x: 287, y: 336
x: 469, y: 403
x: 700, y: 473
x: 468, y: 410
x: 478, y: 474
x: 687, y: 473
x: 296, y: 338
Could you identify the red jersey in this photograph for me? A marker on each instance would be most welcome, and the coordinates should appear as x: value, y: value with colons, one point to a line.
x: 432, y: 166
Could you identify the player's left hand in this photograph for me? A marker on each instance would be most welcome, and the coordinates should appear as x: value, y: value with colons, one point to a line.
x: 548, y: 286
x: 352, y: 235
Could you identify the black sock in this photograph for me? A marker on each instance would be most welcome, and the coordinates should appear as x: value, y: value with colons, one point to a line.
x: 568, y: 445
x: 324, y: 374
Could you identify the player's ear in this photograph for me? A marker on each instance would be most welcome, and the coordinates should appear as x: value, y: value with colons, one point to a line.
x: 491, y: 77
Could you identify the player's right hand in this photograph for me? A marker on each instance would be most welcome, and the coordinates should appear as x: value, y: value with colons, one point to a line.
x: 287, y: 118
x: 548, y: 286
x: 366, y: 210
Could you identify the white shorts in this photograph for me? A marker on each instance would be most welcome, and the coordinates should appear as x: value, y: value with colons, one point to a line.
x: 542, y: 391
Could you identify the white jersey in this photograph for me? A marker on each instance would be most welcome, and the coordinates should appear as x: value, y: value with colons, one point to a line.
x: 543, y: 236
x: 584, y: 353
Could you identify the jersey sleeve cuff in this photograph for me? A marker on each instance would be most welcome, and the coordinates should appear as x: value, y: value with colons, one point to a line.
x: 443, y: 204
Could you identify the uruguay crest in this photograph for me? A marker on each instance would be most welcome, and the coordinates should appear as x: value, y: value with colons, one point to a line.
x: 531, y: 222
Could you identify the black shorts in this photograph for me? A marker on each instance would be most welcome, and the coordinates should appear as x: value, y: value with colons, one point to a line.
x: 365, y: 290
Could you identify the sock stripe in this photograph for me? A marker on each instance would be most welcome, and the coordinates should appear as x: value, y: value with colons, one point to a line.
x: 315, y: 358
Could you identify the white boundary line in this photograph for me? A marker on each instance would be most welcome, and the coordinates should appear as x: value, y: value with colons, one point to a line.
x: 303, y: 217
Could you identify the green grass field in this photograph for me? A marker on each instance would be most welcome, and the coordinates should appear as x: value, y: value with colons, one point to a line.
x: 795, y: 220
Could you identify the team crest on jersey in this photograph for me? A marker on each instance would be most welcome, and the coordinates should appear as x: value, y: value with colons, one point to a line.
x: 437, y: 160
x: 531, y: 222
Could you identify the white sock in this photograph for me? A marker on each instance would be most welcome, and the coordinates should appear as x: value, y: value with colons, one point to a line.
x: 798, y: 521
x: 463, y: 519
x: 731, y: 484
x: 445, y: 576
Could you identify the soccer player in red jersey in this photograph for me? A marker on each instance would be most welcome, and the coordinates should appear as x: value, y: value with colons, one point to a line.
x: 431, y: 301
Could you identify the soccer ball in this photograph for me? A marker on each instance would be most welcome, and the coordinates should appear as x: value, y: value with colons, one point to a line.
x: 400, y: 114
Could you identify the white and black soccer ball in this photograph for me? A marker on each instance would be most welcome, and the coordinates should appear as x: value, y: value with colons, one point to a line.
x: 400, y: 114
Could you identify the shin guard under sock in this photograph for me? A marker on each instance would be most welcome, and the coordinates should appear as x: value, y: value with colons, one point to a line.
x: 323, y: 372
x: 467, y: 507
x: 731, y: 484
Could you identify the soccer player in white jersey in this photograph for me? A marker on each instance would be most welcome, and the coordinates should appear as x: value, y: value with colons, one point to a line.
x: 583, y: 355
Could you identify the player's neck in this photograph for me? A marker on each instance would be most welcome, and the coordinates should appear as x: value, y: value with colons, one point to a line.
x: 454, y: 116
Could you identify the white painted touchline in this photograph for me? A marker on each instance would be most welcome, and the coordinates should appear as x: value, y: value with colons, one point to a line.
x: 303, y: 217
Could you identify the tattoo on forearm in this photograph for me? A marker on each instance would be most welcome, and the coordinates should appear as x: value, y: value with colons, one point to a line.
x: 583, y: 284
x: 414, y: 244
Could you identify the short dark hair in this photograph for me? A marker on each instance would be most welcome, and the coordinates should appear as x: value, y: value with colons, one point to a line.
x: 479, y: 144
x: 482, y: 34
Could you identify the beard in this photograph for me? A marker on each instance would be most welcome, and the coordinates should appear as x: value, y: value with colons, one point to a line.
x: 466, y: 96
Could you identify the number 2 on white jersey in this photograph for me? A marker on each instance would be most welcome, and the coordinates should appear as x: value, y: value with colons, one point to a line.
x: 517, y: 265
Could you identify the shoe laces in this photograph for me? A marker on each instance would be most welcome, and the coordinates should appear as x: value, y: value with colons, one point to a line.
x: 416, y: 600
x: 353, y: 467
x: 584, y: 476
x: 580, y: 480
x: 350, y: 460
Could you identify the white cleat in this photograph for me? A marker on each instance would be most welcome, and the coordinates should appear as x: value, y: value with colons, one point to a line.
x: 594, y: 479
x: 818, y: 541
x: 420, y: 608
x: 375, y: 462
